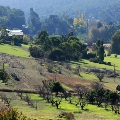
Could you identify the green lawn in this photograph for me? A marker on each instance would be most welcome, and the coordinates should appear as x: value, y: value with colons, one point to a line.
x: 14, y: 50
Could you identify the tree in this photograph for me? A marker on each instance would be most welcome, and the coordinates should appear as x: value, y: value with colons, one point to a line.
x: 100, y: 95
x: 11, y: 114
x: 99, y: 24
x: 100, y: 50
x: 17, y: 40
x: 56, y: 87
x: 42, y: 37
x: 57, y: 54
x: 3, y: 21
x: 100, y: 76
x: 55, y: 25
x: 96, y: 86
x: 73, y: 49
x: 70, y: 34
x: 80, y: 25
x: 116, y: 43
x: 4, y: 76
x: 11, y: 18
x: 34, y: 22
x: 36, y: 51
x: 90, y: 96
x: 16, y: 18
x: 82, y: 104
x: 26, y: 39
x: 3, y: 34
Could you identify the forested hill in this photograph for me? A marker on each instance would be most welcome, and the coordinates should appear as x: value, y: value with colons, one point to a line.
x: 48, y: 7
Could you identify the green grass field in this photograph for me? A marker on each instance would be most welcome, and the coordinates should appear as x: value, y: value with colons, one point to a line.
x: 112, y: 59
x: 26, y: 46
x: 14, y: 50
x: 46, y: 111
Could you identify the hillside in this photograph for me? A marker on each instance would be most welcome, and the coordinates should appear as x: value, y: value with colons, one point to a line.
x: 45, y: 8
x: 31, y: 73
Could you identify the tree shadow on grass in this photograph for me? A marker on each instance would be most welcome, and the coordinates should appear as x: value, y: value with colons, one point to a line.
x: 86, y: 110
x: 104, y: 82
x: 107, y: 109
x: 82, y: 62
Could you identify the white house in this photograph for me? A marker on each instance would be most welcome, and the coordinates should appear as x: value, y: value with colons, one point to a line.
x: 15, y: 32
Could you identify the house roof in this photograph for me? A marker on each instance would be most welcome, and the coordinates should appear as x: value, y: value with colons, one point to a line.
x: 15, y: 32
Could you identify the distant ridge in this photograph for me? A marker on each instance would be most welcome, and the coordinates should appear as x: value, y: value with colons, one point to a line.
x: 48, y: 7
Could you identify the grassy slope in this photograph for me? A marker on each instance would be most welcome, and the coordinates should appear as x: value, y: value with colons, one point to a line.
x: 14, y: 50
x: 112, y: 59
x: 47, y: 111
x: 26, y: 46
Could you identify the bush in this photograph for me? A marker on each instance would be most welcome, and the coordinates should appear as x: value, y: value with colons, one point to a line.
x: 11, y: 114
x: 66, y: 115
x: 57, y: 54
x: 4, y: 76
x: 56, y: 87
x: 115, y: 55
x: 36, y: 52
x: 96, y: 60
x: 108, y: 63
x: 91, y: 55
x: 108, y: 54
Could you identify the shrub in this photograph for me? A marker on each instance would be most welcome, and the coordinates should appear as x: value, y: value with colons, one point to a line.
x: 67, y: 115
x: 11, y: 114
x: 50, y: 68
x: 96, y: 60
x: 57, y: 54
x: 4, y: 76
x: 108, y: 54
x: 108, y: 63
x: 56, y: 87
x: 36, y: 52
x: 91, y: 55
x: 115, y: 55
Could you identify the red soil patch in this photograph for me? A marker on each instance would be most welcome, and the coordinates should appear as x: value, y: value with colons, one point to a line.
x: 70, y: 81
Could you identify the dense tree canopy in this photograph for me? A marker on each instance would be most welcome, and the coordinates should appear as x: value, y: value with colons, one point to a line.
x: 34, y: 22
x: 12, y: 18
x: 55, y: 25
x: 59, y: 47
x: 116, y: 43
x: 104, y: 32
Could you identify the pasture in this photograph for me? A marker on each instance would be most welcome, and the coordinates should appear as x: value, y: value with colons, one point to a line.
x: 14, y: 50
x: 46, y: 111
x: 112, y: 59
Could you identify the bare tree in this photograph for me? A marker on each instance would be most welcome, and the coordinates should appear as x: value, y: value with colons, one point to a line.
x: 83, y: 104
x: 100, y: 76
x: 57, y: 102
x: 96, y: 86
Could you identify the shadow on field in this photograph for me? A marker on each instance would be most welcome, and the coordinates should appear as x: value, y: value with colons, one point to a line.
x: 82, y: 62
x: 86, y: 110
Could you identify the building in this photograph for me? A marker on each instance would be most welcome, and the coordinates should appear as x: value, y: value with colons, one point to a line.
x: 17, y: 40
x: 15, y: 32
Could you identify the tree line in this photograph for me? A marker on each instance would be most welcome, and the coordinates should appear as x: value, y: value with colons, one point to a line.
x: 58, y: 47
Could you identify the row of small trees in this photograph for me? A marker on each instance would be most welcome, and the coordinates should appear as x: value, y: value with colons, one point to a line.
x: 27, y: 98
x: 82, y: 96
